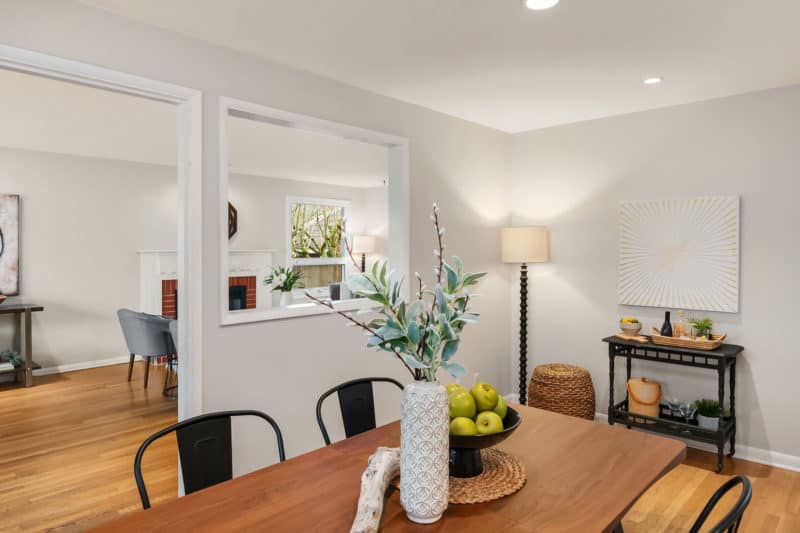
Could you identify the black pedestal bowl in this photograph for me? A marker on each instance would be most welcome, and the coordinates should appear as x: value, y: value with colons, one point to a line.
x: 465, y: 450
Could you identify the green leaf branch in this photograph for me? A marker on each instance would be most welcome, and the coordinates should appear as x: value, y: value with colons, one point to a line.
x: 424, y: 335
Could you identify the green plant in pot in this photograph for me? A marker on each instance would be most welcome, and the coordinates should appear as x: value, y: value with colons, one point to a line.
x: 285, y: 280
x: 708, y: 413
x: 702, y: 326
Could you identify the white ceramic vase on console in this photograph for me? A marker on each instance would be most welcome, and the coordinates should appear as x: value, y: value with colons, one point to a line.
x: 424, y: 451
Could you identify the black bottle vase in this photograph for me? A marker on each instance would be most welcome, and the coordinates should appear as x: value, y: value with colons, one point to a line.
x: 666, y: 329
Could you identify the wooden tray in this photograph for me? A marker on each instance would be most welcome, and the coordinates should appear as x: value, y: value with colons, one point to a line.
x: 709, y: 344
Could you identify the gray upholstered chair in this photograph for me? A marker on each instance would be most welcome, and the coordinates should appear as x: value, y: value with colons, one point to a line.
x: 147, y: 336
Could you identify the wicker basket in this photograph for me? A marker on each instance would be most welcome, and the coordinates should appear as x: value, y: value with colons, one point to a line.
x: 565, y: 389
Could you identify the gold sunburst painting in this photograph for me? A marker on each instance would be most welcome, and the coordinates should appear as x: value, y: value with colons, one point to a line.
x: 680, y: 254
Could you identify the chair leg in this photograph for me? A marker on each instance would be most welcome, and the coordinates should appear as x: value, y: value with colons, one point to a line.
x: 171, y: 377
x: 130, y: 367
x: 146, y: 371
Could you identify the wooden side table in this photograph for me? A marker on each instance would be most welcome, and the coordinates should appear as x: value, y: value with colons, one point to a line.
x: 24, y: 334
x: 719, y: 360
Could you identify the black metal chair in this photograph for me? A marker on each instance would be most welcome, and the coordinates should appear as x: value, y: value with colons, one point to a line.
x: 357, y: 403
x: 731, y: 521
x: 204, y: 447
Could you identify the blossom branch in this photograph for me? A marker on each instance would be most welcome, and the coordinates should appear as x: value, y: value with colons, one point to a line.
x: 361, y: 325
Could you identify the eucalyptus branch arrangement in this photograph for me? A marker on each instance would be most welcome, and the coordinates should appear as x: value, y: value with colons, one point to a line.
x: 283, y: 279
x: 424, y: 334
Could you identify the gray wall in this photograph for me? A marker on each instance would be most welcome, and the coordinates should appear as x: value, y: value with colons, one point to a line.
x: 573, y: 177
x: 82, y: 222
x: 281, y: 366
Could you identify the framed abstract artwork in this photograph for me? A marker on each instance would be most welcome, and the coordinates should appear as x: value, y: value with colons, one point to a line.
x: 9, y: 244
x: 680, y: 254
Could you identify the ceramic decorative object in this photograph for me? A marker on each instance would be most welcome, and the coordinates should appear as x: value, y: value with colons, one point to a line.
x: 424, y: 451
x: 287, y: 299
x: 707, y: 422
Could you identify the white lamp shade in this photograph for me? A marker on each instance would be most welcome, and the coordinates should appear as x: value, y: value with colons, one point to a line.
x: 526, y: 244
x: 364, y: 244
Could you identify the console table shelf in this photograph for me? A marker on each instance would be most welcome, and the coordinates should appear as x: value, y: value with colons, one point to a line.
x: 721, y: 360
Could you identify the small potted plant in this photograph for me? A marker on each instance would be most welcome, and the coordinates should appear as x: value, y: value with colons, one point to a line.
x: 708, y: 413
x: 284, y: 279
x: 702, y: 326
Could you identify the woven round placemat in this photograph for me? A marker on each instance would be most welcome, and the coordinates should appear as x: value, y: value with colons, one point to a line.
x: 503, y: 475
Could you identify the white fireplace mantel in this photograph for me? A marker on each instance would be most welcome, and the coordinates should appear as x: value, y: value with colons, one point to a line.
x: 158, y: 265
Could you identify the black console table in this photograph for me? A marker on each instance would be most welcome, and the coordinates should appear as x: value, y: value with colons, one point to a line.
x: 720, y: 360
x: 24, y: 335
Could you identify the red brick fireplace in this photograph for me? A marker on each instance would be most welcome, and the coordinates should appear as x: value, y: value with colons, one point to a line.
x: 169, y: 293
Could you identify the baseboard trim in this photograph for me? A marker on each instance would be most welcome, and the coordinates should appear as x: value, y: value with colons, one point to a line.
x: 84, y: 365
x: 748, y: 453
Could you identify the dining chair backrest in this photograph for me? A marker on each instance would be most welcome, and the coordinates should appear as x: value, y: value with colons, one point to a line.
x: 357, y: 403
x: 204, y: 448
x: 730, y: 522
x: 146, y: 335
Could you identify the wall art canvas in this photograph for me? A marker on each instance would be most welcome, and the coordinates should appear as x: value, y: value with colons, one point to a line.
x: 9, y: 244
x: 680, y: 254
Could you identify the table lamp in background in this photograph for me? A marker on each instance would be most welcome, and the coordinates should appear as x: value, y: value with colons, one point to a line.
x: 525, y: 244
x: 364, y: 244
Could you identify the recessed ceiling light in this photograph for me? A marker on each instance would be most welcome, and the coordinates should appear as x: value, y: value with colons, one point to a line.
x: 538, y: 5
x: 653, y: 81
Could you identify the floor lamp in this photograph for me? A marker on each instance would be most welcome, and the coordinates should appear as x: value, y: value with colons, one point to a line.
x: 523, y: 245
x: 364, y: 244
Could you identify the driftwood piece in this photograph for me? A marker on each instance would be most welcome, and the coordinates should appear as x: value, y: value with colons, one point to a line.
x: 383, y: 466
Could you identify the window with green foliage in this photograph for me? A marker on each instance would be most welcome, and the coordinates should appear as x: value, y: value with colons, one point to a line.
x: 315, y: 240
x: 317, y: 230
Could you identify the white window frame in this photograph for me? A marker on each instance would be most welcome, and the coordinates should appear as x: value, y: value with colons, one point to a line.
x: 398, y: 205
x: 315, y: 261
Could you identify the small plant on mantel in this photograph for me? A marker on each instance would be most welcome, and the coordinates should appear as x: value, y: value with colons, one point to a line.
x: 284, y: 279
x: 425, y: 333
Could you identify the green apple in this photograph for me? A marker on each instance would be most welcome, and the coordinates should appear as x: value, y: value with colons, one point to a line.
x: 453, y: 387
x: 489, y: 422
x: 463, y: 426
x: 485, y: 396
x: 462, y: 404
x: 501, y: 408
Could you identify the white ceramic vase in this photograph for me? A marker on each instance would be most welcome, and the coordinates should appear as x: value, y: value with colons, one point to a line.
x: 287, y: 298
x: 424, y: 452
x: 707, y: 422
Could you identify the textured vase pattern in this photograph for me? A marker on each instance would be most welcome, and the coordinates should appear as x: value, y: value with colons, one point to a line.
x: 424, y: 452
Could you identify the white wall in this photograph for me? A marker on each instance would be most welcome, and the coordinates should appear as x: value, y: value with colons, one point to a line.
x: 261, y: 203
x: 281, y: 366
x: 82, y: 222
x: 572, y: 178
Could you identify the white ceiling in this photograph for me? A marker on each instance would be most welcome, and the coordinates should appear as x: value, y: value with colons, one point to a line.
x: 495, y: 63
x: 53, y: 116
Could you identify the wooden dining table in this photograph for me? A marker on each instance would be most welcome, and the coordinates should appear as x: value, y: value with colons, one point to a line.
x: 582, y: 476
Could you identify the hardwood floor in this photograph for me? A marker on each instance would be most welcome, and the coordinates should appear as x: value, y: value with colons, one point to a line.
x: 67, y: 447
x: 673, y: 504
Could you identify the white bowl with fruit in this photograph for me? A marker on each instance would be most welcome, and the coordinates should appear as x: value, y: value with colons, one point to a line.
x: 630, y: 325
x: 479, y: 418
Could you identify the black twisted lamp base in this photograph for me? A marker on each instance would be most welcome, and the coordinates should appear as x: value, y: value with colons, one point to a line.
x: 523, y: 335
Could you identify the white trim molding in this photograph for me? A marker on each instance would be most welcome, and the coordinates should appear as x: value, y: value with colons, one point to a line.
x: 399, y: 202
x: 83, y: 365
x: 190, y: 185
